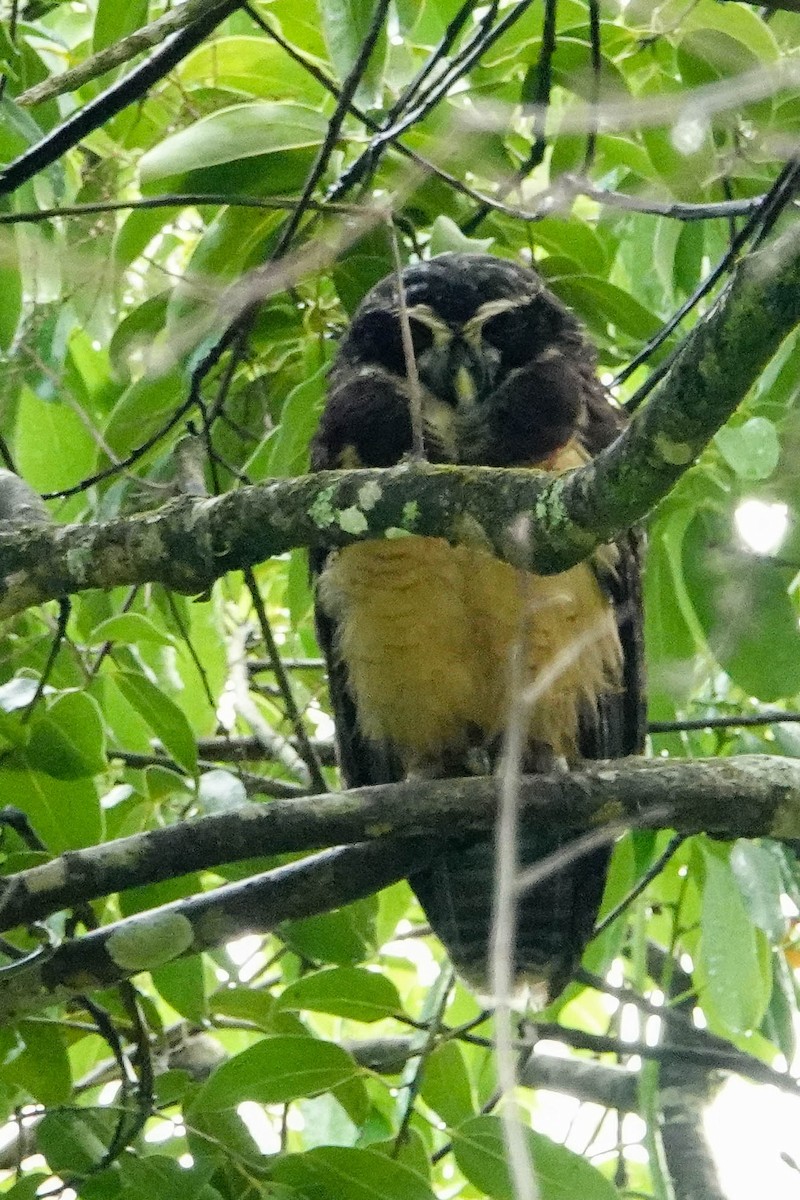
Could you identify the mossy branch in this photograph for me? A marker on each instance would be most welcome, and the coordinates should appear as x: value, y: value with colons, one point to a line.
x: 190, y: 543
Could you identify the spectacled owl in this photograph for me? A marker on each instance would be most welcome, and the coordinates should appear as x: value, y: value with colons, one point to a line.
x: 418, y: 633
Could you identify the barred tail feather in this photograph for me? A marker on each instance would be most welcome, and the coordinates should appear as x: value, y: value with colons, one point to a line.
x: 554, y: 919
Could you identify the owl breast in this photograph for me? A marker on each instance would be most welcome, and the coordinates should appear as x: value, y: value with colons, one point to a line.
x: 426, y: 632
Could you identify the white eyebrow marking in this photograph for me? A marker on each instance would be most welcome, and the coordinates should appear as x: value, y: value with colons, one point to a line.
x: 492, y: 308
x: 424, y: 314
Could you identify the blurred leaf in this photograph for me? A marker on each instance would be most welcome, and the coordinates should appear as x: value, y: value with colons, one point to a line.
x: 758, y: 875
x: 751, y: 450
x: 288, y: 447
x: 53, y: 447
x: 447, y: 237
x: 274, y: 1071
x: 166, y: 720
x: 182, y: 984
x: 345, y: 936
x: 560, y: 1174
x: 260, y: 130
x: 115, y: 21
x: 42, y: 1069
x: 605, y: 306
x: 733, y: 969
x: 346, y: 24
x: 737, y: 22
x: 253, y: 65
x: 132, y: 628
x: 745, y: 610
x: 342, y: 1173
x: 445, y: 1083
x: 364, y: 264
x: 346, y: 992
x: 75, y: 1141
x: 64, y: 812
x: 68, y: 742
x: 10, y: 293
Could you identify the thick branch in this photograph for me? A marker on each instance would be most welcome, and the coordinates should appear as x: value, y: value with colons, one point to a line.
x: 189, y: 544
x: 151, y: 939
x: 748, y: 796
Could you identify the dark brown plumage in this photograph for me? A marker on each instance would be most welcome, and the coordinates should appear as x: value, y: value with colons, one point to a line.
x: 418, y: 633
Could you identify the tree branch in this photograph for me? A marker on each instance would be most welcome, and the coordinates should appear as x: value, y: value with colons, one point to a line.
x: 119, y: 52
x: 192, y: 542
x: 749, y: 796
x: 256, y: 905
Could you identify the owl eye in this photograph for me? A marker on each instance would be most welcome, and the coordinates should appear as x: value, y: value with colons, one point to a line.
x: 522, y: 333
x: 379, y: 339
x: 421, y: 336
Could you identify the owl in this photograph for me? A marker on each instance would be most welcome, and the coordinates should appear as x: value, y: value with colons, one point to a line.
x: 419, y: 633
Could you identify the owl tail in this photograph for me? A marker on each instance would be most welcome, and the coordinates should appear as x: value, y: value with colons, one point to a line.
x: 554, y: 920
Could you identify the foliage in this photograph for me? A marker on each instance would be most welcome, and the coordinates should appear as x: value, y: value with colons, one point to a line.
x: 110, y: 315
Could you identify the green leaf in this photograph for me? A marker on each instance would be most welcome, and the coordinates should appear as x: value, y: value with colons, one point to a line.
x: 235, y: 240
x: 182, y: 984
x: 53, y: 447
x: 345, y: 24
x: 572, y: 239
x: 10, y: 294
x: 560, y: 1174
x: 138, y: 230
x: 142, y: 408
x: 745, y: 611
x: 345, y: 992
x: 252, y: 65
x: 606, y: 307
x: 42, y: 1069
x: 738, y: 22
x: 75, y: 1141
x: 447, y: 237
x: 671, y: 645
x: 345, y: 936
x: 733, y: 965
x: 28, y: 1187
x: 751, y: 450
x: 758, y: 874
x: 344, y: 1173
x: 288, y: 448
x: 115, y: 21
x: 275, y: 1071
x: 155, y: 1175
x: 166, y: 720
x: 68, y: 742
x: 64, y: 812
x: 779, y: 1024
x: 259, y: 131
x: 363, y: 264
x: 130, y: 628
x: 445, y: 1083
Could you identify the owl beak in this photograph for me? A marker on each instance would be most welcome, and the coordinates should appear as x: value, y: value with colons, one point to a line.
x: 464, y: 388
x: 466, y: 374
